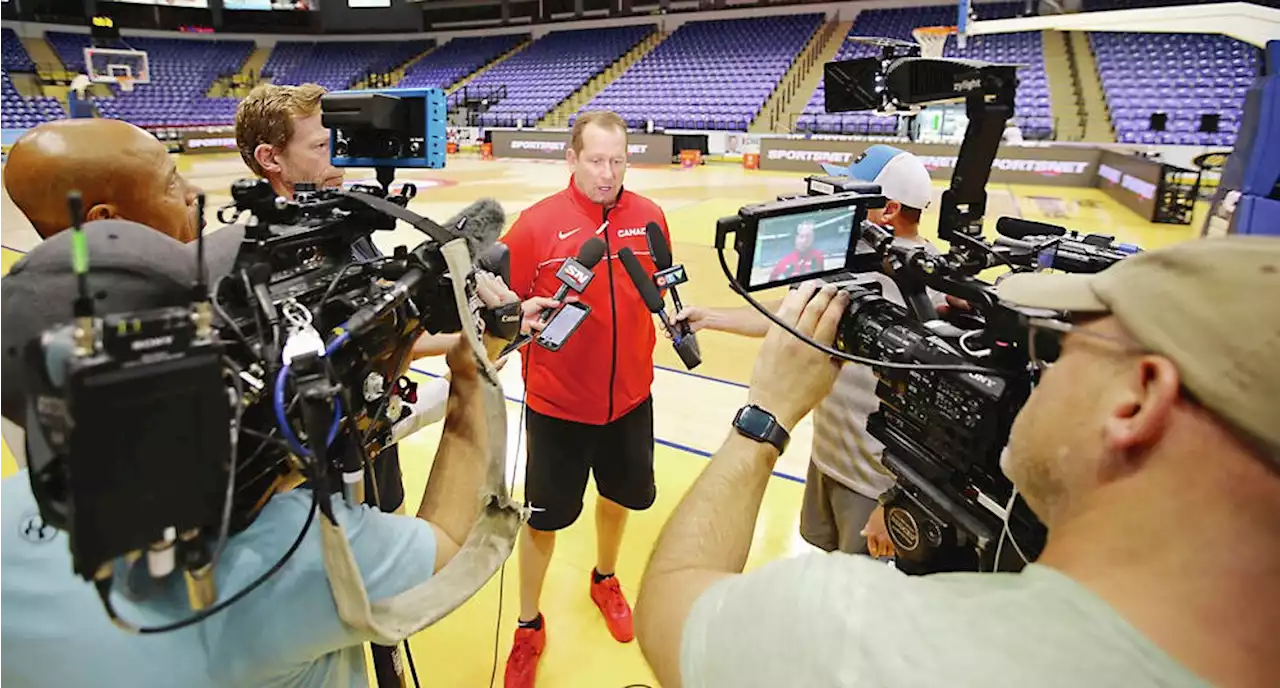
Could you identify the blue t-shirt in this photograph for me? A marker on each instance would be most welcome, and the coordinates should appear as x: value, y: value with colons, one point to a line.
x: 55, y: 632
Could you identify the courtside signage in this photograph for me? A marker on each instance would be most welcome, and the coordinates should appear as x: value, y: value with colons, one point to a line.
x: 1046, y: 165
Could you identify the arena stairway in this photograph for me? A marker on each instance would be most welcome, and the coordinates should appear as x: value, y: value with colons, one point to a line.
x: 497, y: 61
x: 796, y: 89
x: 239, y: 84
x: 395, y: 75
x: 1064, y: 86
x: 559, y: 116
x: 1097, y: 117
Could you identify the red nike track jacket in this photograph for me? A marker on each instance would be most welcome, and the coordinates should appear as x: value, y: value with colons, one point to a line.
x: 606, y: 368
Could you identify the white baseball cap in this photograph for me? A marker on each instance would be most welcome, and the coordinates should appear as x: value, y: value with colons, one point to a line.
x: 901, y: 175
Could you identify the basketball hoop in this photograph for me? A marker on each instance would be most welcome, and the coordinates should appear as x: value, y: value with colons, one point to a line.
x: 932, y: 39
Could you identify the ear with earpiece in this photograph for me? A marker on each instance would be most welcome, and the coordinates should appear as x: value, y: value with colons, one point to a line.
x: 101, y: 211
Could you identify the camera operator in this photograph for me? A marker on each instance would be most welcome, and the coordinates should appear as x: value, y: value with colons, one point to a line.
x: 286, y: 632
x: 1149, y: 443
x: 121, y: 171
x: 282, y: 139
x: 846, y: 478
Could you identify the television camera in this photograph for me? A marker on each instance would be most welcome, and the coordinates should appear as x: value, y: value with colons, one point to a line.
x: 296, y: 346
x: 949, y: 389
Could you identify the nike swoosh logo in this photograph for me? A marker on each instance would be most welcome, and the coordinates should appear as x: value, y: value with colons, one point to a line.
x: 566, y: 235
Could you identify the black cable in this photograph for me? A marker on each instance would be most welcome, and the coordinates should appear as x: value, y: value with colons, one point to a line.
x: 502, y: 573
x: 222, y: 313
x: 413, y: 670
x: 104, y: 586
x: 956, y: 368
x: 238, y: 384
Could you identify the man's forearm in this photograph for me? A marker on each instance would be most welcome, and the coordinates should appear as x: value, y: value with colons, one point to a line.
x: 451, y: 499
x: 745, y: 320
x: 712, y: 526
x: 433, y: 345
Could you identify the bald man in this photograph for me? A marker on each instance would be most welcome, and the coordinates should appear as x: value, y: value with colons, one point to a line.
x: 121, y: 171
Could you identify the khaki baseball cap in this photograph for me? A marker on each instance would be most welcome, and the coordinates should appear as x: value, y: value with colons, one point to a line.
x: 1212, y: 306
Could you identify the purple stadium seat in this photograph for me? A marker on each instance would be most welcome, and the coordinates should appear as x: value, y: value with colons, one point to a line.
x: 551, y: 69
x: 337, y: 65
x: 696, y: 79
x: 453, y: 61
x: 1182, y: 75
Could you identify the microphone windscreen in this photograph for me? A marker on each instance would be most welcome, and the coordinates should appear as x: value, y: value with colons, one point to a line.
x: 658, y: 246
x: 481, y: 223
x: 644, y: 284
x: 497, y: 260
x: 1016, y: 228
x: 591, y: 251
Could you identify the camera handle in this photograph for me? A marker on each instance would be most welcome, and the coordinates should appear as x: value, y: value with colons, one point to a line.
x: 988, y: 107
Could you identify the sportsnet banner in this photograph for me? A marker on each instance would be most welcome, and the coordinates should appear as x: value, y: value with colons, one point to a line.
x: 1046, y: 165
x: 644, y: 149
x: 196, y: 141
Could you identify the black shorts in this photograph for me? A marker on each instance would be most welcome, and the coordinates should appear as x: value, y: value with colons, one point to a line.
x: 562, y: 453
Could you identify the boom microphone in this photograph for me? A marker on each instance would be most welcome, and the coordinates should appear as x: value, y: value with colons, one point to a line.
x: 686, y: 347
x: 1016, y: 228
x: 480, y: 223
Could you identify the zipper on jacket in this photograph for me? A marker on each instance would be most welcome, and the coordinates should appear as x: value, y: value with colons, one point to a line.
x: 613, y: 315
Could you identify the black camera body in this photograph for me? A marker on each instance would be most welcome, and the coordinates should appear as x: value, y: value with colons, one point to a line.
x: 949, y: 389
x: 131, y: 454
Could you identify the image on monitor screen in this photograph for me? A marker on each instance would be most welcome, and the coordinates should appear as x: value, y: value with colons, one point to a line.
x: 807, y: 243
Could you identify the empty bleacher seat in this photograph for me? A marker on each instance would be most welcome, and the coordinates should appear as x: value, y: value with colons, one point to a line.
x: 451, y: 62
x: 1182, y: 75
x: 550, y: 69
x: 709, y: 74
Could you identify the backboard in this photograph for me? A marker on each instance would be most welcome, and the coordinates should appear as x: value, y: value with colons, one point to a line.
x: 110, y: 65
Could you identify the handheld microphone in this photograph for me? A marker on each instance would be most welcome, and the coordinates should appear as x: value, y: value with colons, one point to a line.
x: 1016, y: 228
x: 576, y: 273
x: 668, y: 275
x: 686, y: 346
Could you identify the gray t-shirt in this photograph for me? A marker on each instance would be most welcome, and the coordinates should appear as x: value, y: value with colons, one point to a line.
x: 842, y: 448
x: 841, y: 620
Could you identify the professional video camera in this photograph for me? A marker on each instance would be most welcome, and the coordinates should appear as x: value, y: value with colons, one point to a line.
x: 298, y: 348
x: 949, y: 389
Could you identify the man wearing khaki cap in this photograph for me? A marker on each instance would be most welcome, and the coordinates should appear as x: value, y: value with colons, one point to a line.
x: 1150, y: 448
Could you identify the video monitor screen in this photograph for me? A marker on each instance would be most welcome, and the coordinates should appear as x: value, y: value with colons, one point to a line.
x: 792, y: 246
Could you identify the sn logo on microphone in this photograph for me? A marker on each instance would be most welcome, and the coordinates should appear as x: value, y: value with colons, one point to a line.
x: 575, y: 272
x: 672, y: 276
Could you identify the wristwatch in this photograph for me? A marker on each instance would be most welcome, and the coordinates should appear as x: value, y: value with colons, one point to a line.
x: 761, y: 426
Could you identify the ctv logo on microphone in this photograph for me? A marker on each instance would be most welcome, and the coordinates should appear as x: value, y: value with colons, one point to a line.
x: 670, y: 277
x: 575, y: 274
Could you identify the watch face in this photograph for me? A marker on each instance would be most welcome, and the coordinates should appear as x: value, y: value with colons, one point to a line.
x: 755, y: 422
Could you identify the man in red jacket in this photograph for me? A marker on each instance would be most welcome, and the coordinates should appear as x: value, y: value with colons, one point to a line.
x: 589, y: 408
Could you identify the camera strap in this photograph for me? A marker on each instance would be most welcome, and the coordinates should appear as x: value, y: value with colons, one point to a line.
x: 437, y: 233
x: 491, y: 539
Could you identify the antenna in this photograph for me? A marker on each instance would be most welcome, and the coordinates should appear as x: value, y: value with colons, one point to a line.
x: 200, y: 292
x: 83, y: 307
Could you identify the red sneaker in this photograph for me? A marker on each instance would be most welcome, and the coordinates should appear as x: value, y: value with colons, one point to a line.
x: 607, y: 594
x: 522, y: 663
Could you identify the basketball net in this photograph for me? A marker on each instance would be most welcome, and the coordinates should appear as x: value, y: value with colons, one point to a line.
x: 932, y: 39
x: 126, y: 83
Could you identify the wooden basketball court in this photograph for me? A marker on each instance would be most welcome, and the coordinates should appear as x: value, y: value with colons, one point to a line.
x: 692, y: 410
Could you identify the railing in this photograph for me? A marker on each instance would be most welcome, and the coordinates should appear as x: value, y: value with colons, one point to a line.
x: 786, y: 90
